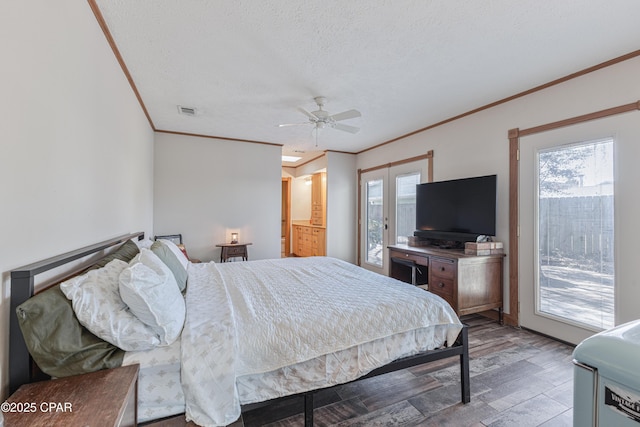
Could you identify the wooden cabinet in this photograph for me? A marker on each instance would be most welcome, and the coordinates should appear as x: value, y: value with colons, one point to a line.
x: 470, y: 283
x: 318, y: 239
x: 296, y: 232
x: 308, y: 240
x: 319, y: 199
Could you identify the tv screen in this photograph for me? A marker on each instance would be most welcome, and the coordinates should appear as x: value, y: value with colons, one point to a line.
x: 459, y: 209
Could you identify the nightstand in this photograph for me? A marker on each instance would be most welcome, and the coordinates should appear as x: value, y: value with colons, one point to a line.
x: 233, y: 250
x: 106, y: 398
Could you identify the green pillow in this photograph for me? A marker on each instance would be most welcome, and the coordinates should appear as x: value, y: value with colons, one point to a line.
x: 169, y: 257
x: 126, y: 252
x: 58, y: 343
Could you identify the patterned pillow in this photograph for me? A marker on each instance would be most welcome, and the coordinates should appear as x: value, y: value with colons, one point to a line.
x: 148, y: 287
x: 97, y: 303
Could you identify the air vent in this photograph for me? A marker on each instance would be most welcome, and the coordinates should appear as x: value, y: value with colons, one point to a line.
x: 187, y: 111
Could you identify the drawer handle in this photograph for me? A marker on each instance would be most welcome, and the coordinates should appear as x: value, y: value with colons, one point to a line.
x: 441, y: 285
x: 442, y: 268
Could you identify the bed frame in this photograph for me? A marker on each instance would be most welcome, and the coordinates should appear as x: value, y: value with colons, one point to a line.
x: 460, y: 349
x: 21, y: 365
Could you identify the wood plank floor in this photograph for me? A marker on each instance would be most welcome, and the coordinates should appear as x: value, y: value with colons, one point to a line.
x: 518, y: 378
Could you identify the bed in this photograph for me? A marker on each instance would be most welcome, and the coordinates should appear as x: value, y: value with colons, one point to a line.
x: 253, y: 332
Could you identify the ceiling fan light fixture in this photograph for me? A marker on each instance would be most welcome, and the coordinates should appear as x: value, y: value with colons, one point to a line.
x: 321, y: 119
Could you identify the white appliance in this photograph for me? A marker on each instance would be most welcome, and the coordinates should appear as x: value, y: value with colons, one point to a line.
x: 606, y: 387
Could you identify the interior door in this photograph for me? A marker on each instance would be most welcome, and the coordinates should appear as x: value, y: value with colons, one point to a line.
x: 388, y: 210
x: 568, y: 230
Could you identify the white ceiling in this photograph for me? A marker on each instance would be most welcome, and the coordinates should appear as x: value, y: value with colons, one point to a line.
x: 247, y: 65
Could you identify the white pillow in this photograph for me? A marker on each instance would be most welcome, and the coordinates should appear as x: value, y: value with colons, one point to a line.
x: 144, y: 243
x: 96, y: 301
x: 149, y: 288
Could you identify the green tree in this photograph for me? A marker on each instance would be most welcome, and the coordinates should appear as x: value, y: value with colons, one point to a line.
x: 561, y: 169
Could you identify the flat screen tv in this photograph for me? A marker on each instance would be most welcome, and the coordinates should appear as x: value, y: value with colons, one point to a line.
x: 458, y: 210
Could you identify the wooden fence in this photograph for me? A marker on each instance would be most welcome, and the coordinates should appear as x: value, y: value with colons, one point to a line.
x: 579, y: 228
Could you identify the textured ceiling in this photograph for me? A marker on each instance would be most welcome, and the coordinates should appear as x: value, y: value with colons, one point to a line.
x: 247, y: 65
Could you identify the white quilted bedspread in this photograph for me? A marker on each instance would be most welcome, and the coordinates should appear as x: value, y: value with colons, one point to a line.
x: 254, y: 317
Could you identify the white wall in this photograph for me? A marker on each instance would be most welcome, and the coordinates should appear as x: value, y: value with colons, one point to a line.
x: 478, y: 145
x: 300, y: 195
x: 341, y: 205
x: 301, y: 198
x: 205, y: 188
x: 76, y: 157
x: 317, y: 165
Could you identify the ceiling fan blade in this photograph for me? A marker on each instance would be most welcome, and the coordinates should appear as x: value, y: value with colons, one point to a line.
x: 346, y: 128
x: 349, y: 114
x: 308, y: 114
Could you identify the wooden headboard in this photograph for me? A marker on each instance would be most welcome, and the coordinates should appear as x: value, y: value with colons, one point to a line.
x: 23, y: 287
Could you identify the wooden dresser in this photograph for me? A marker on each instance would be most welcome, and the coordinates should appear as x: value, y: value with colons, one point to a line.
x: 308, y: 240
x: 470, y: 283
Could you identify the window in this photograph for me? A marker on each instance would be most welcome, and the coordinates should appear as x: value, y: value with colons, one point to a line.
x: 406, y: 206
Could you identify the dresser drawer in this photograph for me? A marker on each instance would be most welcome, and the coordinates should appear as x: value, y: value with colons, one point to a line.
x: 418, y: 259
x: 443, y: 268
x: 441, y: 286
x: 236, y: 251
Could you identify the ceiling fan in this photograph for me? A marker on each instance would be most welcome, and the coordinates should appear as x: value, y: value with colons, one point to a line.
x: 321, y: 119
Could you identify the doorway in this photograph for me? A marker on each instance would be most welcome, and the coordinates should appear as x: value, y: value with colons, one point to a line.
x: 567, y: 214
x: 285, y: 230
x: 387, y: 209
x: 607, y: 141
